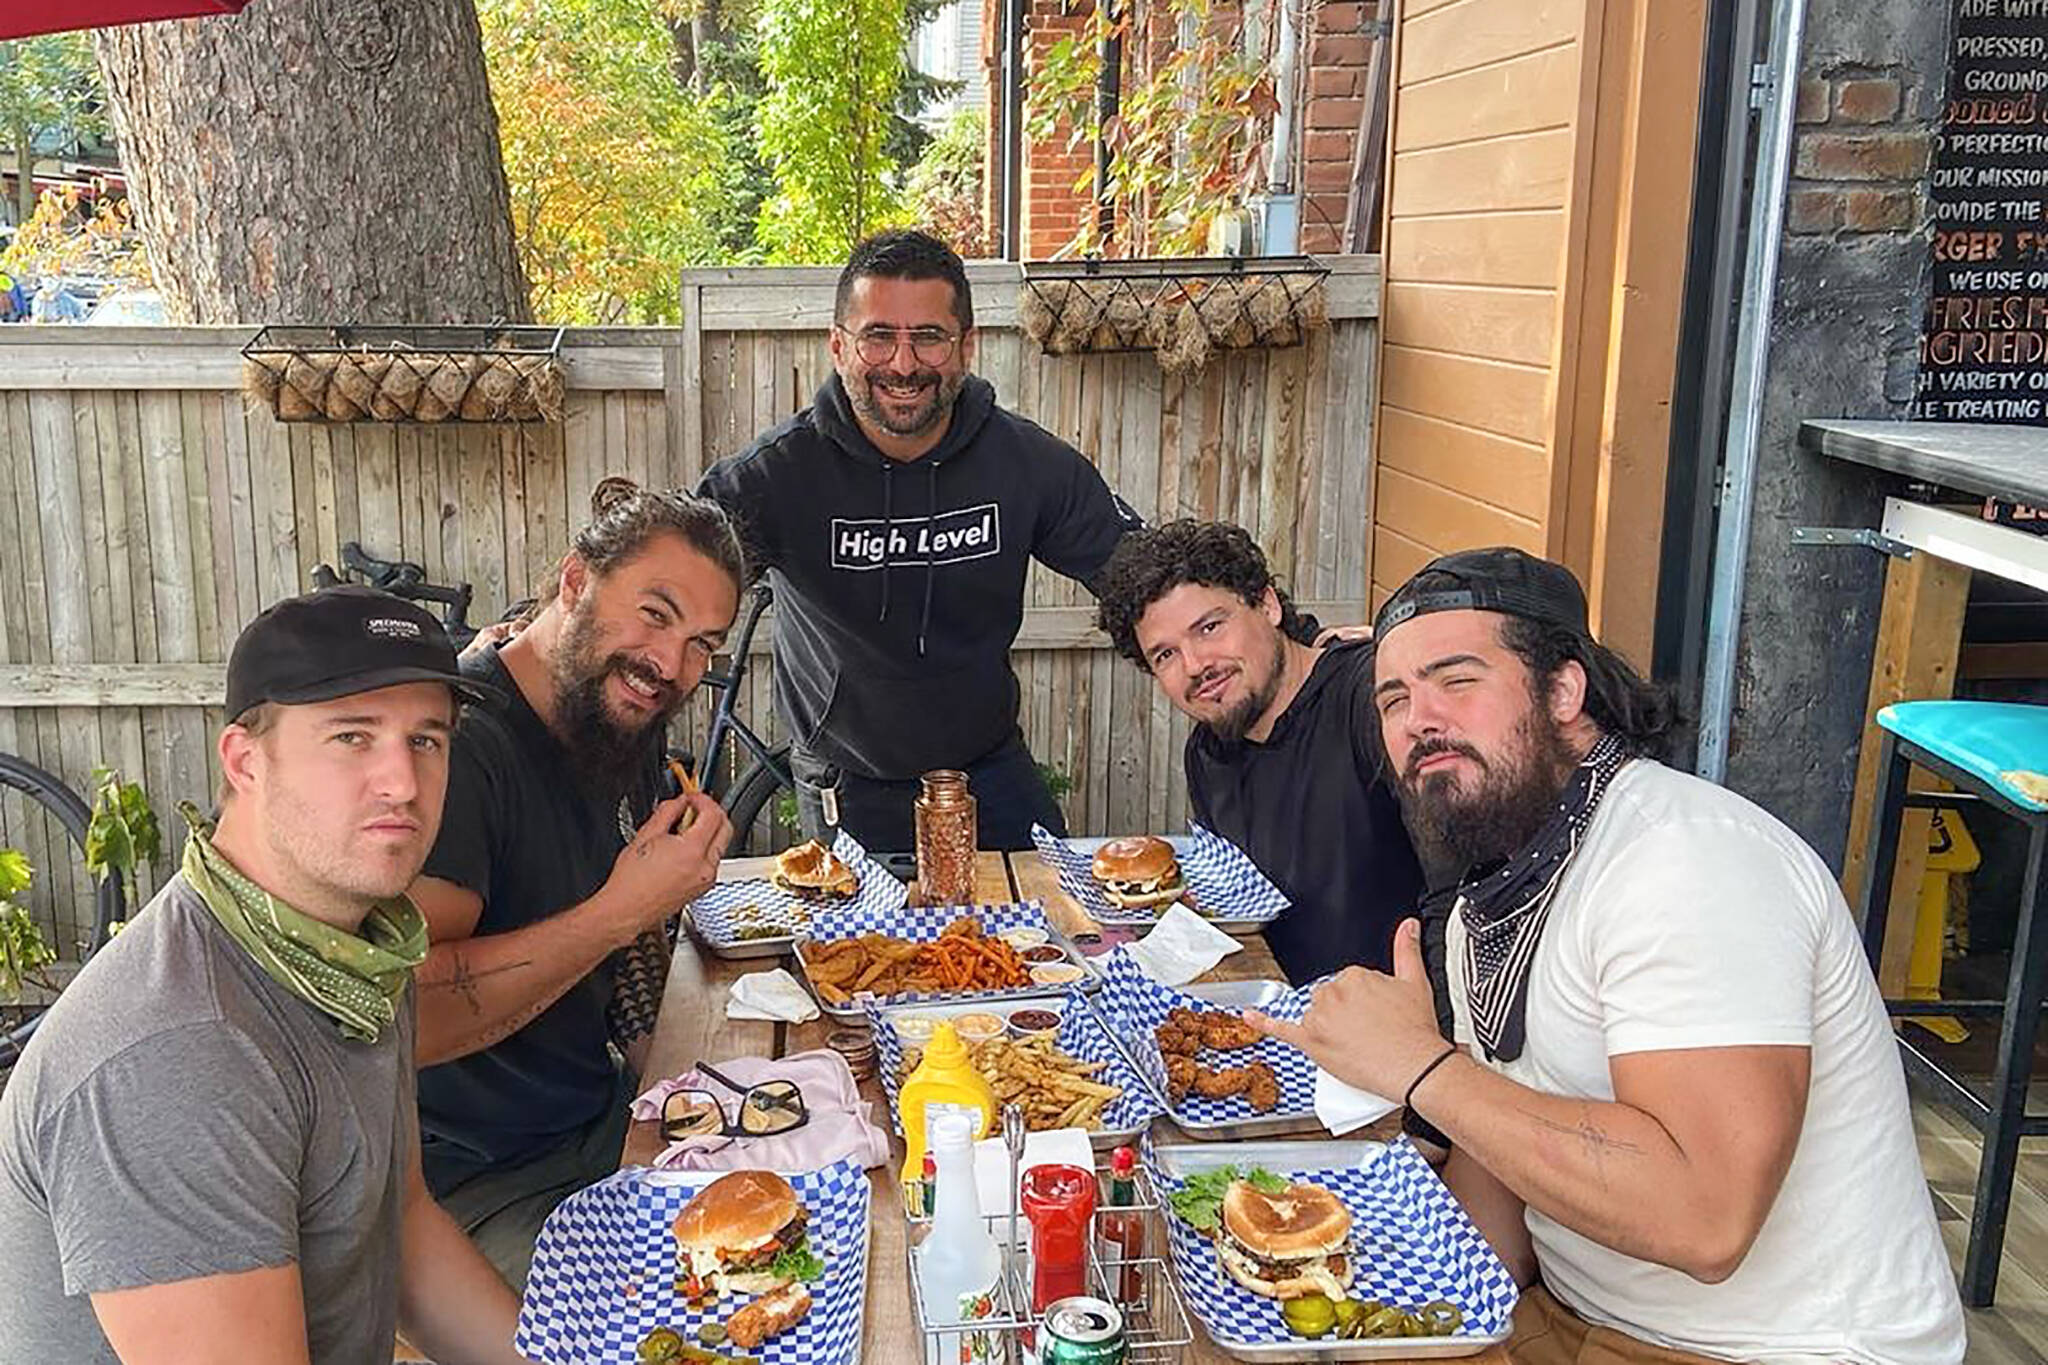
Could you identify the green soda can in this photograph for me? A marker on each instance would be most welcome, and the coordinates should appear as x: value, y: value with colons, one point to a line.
x: 1082, y: 1331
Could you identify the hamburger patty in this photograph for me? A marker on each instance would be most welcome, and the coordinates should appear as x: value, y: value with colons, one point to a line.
x: 790, y: 1234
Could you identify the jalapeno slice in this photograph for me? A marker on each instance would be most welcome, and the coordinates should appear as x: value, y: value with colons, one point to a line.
x: 1440, y: 1319
x: 659, y: 1347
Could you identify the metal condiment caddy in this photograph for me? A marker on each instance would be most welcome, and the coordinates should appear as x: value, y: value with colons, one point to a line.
x: 1157, y: 1328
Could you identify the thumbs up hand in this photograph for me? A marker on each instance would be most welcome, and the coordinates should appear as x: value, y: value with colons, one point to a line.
x: 1367, y: 1028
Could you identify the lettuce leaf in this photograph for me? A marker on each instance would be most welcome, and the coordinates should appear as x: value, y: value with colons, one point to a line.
x: 1199, y: 1202
x: 798, y: 1262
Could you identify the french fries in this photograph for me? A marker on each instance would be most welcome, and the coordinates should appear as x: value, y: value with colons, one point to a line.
x: 1053, y: 1089
x: 963, y: 958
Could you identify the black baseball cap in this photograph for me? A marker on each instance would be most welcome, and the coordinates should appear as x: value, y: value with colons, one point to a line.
x: 1499, y: 578
x: 337, y: 642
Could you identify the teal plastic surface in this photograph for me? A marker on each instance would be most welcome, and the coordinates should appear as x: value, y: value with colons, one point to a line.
x: 1986, y: 739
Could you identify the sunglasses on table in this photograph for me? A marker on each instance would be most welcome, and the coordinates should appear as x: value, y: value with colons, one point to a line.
x: 766, y: 1109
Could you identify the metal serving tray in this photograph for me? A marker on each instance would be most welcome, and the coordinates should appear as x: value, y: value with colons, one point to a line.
x: 1177, y: 1161
x: 741, y: 950
x: 1123, y: 1071
x: 855, y: 1010
x: 716, y: 917
x: 1229, y: 995
x: 1113, y: 916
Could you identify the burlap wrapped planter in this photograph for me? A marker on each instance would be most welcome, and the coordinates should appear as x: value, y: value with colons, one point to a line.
x: 1183, y: 311
x: 406, y: 374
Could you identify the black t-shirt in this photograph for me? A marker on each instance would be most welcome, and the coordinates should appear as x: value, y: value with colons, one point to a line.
x: 1309, y: 807
x: 520, y: 832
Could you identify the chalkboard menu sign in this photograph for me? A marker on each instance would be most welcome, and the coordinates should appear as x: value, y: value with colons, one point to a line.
x: 1984, y: 353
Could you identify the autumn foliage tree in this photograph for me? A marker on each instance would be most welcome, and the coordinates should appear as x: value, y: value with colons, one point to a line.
x: 48, y: 84
x: 833, y: 69
x: 611, y: 159
x: 945, y: 188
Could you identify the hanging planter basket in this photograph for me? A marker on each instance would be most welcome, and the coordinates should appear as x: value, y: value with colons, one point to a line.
x: 1184, y: 311
x: 406, y: 374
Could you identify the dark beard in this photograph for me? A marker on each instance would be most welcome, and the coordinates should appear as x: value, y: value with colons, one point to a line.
x: 945, y: 393
x: 1234, y: 724
x: 604, y: 756
x: 1515, y: 798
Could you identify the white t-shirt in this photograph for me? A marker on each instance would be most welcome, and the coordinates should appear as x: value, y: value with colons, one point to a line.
x: 1691, y: 919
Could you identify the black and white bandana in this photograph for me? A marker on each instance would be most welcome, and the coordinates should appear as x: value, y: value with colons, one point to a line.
x: 1504, y: 907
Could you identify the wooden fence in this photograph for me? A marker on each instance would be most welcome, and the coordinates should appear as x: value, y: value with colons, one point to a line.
x: 146, y: 513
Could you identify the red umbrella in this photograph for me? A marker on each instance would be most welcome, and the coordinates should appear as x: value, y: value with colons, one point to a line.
x: 23, y: 18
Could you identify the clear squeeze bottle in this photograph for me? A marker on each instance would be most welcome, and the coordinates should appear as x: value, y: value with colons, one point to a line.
x: 959, y: 1266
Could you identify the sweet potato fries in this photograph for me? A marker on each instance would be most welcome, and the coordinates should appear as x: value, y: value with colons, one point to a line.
x: 963, y: 958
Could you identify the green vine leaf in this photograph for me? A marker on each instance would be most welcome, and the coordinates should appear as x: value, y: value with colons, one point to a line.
x: 23, y: 952
x: 1187, y: 141
x: 15, y: 873
x: 123, y: 833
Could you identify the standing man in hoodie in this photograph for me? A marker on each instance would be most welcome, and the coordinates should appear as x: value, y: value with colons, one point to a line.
x: 897, y: 515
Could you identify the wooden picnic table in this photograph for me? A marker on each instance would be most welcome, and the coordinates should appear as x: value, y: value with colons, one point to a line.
x: 693, y: 1027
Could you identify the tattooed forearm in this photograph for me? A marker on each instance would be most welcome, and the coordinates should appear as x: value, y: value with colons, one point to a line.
x: 457, y: 978
x: 1596, y: 1140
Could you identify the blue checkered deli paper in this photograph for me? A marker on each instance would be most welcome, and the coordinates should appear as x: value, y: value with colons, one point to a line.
x: 1135, y: 1005
x: 1081, y: 1035
x: 604, y: 1271
x: 920, y: 923
x: 1223, y: 883
x: 1411, y: 1244
x: 732, y: 915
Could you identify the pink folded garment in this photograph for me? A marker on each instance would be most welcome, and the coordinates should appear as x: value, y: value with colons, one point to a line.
x: 839, y: 1125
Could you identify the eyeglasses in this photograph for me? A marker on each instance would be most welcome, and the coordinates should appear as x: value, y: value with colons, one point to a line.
x: 766, y: 1109
x: 878, y: 345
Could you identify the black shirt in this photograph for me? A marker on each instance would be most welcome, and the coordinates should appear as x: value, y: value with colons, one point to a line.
x: 1308, y: 806
x: 899, y: 586
x: 519, y: 831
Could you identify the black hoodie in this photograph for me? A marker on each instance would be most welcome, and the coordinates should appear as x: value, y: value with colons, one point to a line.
x: 899, y: 585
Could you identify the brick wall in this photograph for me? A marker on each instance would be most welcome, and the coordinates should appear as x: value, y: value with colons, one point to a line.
x: 1335, y: 55
x: 1855, y: 169
x: 1339, y: 51
x: 1052, y: 207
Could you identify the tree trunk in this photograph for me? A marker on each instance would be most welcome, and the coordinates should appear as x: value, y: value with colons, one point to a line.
x: 25, y: 173
x: 319, y: 161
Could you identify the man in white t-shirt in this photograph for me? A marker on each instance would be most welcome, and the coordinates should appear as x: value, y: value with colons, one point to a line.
x: 1674, y: 1096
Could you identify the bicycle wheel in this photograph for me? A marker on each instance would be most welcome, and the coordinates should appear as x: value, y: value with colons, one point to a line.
x: 749, y: 792
x: 48, y: 790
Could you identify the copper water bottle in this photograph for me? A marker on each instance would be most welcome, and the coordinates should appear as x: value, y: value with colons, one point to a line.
x: 945, y: 839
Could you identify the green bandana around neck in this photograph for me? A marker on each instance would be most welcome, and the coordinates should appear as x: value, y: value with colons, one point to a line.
x: 357, y: 979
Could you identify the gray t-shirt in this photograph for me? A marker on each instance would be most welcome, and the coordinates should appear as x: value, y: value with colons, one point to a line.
x: 179, y: 1114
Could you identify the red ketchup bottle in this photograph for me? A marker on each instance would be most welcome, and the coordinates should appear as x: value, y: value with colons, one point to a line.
x: 1060, y: 1202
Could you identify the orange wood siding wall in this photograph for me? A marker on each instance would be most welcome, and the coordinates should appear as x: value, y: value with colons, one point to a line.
x: 1539, y: 191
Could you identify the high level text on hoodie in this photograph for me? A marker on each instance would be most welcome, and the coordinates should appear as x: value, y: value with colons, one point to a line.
x: 900, y: 585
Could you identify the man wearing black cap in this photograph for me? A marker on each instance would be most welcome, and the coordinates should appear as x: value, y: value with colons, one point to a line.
x: 1674, y: 1093
x: 211, y: 1139
x: 1282, y: 759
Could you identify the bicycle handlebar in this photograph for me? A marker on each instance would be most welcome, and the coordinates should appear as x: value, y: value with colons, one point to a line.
x: 401, y: 578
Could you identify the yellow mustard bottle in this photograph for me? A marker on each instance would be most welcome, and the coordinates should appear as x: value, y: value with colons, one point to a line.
x: 945, y: 1076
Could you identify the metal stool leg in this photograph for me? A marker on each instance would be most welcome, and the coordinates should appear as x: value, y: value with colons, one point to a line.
x: 2008, y: 1087
x: 1882, y: 845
